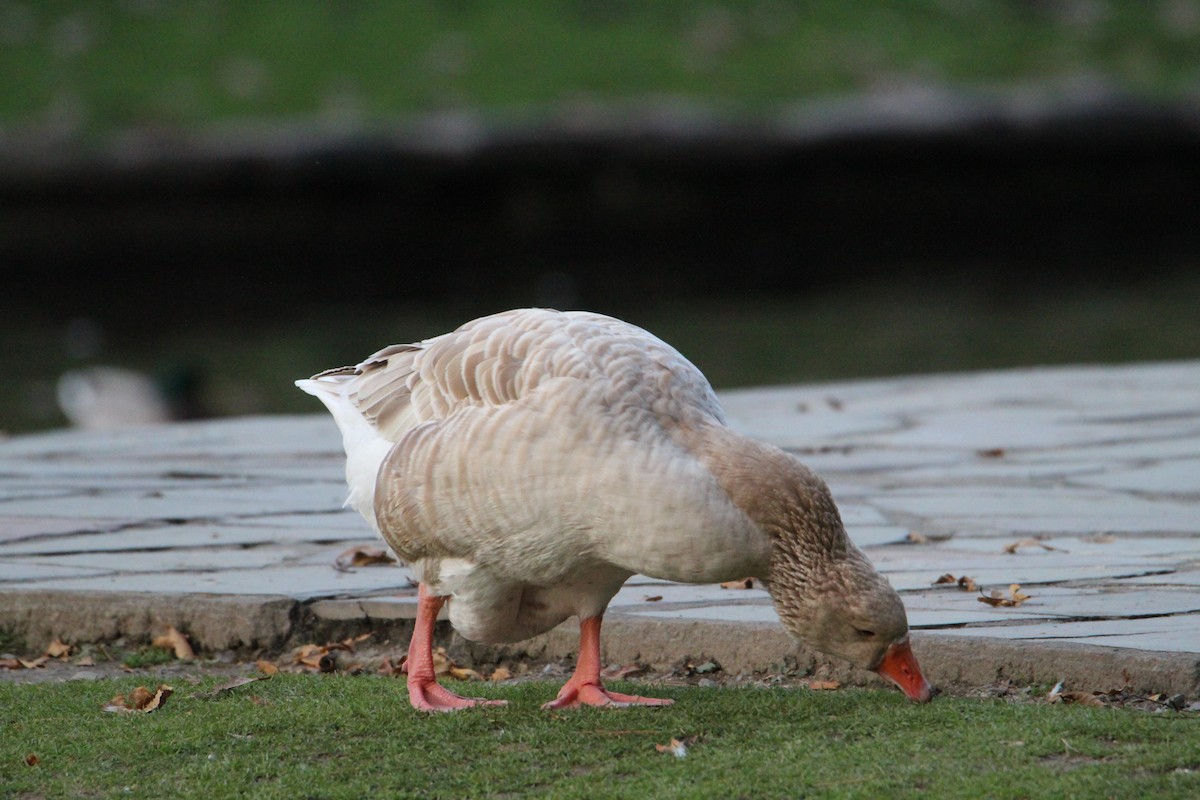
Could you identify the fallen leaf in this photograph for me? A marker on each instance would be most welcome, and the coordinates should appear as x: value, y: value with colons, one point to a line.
x: 32, y: 760
x: 86, y: 661
x: 354, y: 641
x: 141, y: 699
x: 501, y: 674
x: 996, y: 598
x: 993, y: 452
x: 58, y: 649
x: 36, y: 663
x: 10, y: 663
x: 463, y: 674
x: 741, y: 583
x: 1015, y: 546
x: 965, y: 583
x: 654, y: 598
x: 266, y: 667
x: 626, y: 671
x: 824, y: 686
x: 174, y: 640
x: 258, y: 701
x: 916, y: 538
x: 676, y: 747
x: 324, y: 658
x: 363, y: 556
x: 441, y: 662
x: 390, y: 668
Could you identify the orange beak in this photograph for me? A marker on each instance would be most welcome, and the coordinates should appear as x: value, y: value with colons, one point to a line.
x: 900, y: 667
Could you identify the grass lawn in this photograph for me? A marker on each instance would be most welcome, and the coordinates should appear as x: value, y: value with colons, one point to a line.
x: 298, y: 736
x: 78, y: 68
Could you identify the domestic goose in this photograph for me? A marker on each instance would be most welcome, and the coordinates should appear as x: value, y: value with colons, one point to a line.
x: 529, y: 462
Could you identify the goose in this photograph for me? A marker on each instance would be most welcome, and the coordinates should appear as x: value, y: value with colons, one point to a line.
x: 529, y: 462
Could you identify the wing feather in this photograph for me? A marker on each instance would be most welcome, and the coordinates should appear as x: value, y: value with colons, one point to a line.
x: 496, y: 360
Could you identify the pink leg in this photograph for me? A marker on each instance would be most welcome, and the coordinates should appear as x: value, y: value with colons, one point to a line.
x: 424, y: 692
x: 584, y: 686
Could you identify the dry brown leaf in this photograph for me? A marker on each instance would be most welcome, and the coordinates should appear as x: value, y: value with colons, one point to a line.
x: 36, y: 663
x: 916, y: 538
x: 500, y: 674
x: 266, y: 667
x: 353, y: 641
x: 58, y: 649
x: 174, y: 640
x: 464, y: 674
x: 363, y: 556
x: 140, y: 699
x: 86, y: 661
x: 1057, y: 695
x: 441, y: 662
x: 10, y: 663
x: 965, y: 583
x: 32, y: 760
x: 390, y: 668
x: 626, y: 671
x: 996, y: 598
x: 824, y: 686
x: 741, y: 583
x: 993, y: 452
x: 654, y: 598
x: 1015, y: 546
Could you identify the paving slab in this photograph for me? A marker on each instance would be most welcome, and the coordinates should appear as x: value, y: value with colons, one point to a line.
x: 229, y: 529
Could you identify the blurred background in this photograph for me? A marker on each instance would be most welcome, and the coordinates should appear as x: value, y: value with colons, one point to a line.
x: 201, y: 201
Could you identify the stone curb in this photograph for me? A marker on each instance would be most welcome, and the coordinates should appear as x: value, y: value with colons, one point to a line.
x: 253, y: 623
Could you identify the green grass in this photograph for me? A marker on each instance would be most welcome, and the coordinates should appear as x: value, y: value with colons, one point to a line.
x: 148, y: 657
x: 342, y: 737
x: 79, y: 67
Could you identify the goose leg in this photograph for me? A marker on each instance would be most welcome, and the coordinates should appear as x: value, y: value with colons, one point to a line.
x: 424, y: 692
x: 584, y: 687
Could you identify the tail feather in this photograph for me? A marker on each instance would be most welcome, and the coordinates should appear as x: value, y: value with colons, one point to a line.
x: 365, y: 447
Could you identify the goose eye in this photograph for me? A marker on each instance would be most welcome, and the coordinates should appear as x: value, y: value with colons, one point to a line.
x: 864, y: 633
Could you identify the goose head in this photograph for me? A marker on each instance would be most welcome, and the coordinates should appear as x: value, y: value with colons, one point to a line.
x: 826, y: 592
x: 837, y: 603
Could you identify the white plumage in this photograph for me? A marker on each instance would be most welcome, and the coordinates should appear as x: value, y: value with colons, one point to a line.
x: 527, y: 463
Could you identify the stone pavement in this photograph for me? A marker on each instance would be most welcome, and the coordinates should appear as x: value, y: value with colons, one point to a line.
x: 229, y: 530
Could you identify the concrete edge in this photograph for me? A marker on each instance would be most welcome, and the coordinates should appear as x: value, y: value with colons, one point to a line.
x: 273, y: 623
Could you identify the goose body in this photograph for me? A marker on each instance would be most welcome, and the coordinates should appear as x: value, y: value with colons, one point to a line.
x: 529, y: 462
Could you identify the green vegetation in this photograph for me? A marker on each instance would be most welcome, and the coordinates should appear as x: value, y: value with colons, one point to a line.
x: 888, y: 328
x: 86, y: 68
x: 354, y: 737
x: 148, y: 657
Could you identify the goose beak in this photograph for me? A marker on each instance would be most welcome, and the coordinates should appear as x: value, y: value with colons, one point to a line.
x: 900, y: 667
